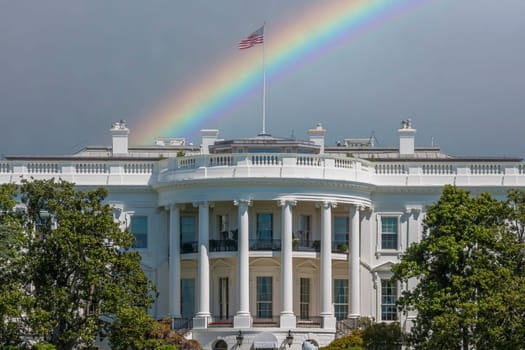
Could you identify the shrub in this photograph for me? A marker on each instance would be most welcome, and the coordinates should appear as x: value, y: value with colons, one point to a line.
x: 44, y: 346
x: 383, y: 336
x: 166, y: 347
x: 352, y: 341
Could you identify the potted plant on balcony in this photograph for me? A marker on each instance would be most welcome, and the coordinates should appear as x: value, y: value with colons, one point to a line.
x: 295, y: 242
x: 343, y: 247
x: 316, y: 245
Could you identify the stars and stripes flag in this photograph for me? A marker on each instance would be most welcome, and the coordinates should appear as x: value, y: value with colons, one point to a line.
x: 253, y: 39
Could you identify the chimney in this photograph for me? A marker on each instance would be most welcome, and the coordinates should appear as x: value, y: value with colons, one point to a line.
x: 406, y: 138
x: 209, y: 136
x: 317, y: 136
x: 119, y: 133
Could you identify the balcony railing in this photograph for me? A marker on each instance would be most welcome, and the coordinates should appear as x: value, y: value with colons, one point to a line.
x: 223, y: 245
x: 265, y: 244
x: 273, y: 321
x: 309, y: 322
x: 189, y: 247
x: 221, y: 321
x: 182, y: 325
x: 306, y: 245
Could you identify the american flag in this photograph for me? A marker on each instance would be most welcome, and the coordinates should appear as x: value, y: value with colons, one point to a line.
x: 253, y: 39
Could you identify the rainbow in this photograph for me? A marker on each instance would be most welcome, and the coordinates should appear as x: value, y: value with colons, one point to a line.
x: 307, y: 36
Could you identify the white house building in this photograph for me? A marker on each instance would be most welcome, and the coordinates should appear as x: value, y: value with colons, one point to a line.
x: 267, y: 242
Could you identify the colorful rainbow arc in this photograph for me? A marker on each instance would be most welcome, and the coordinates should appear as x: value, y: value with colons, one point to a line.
x: 317, y: 32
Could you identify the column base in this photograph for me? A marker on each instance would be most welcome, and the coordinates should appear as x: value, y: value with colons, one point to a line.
x: 288, y: 321
x: 242, y: 321
x: 329, y: 321
x: 201, y: 320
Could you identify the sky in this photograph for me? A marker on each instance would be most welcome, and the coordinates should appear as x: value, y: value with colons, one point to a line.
x: 69, y: 68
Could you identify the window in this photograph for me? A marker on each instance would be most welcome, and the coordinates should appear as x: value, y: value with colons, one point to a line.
x: 265, y: 226
x: 341, y: 298
x: 304, y: 301
x: 340, y: 230
x: 139, y: 228
x: 187, y: 234
x: 264, y: 297
x: 389, y: 232
x: 187, y: 228
x: 223, y: 225
x: 304, y: 228
x: 223, y: 298
x: 388, y: 300
x: 187, y: 300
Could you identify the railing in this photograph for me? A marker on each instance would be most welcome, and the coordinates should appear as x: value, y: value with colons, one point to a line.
x: 265, y: 244
x: 308, y: 161
x: 43, y: 168
x: 223, y: 245
x: 391, y: 168
x: 220, y: 160
x: 337, y: 167
x: 266, y: 159
x: 438, y: 169
x: 221, y: 321
x: 5, y: 168
x: 306, y: 245
x: 138, y: 168
x: 309, y: 322
x: 347, y: 325
x: 189, y: 247
x: 273, y: 321
x: 91, y: 168
x: 182, y: 325
x: 485, y: 169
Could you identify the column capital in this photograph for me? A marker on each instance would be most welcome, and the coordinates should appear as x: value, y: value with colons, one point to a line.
x: 238, y: 202
x: 197, y: 204
x: 171, y: 206
x: 285, y: 202
x: 326, y: 204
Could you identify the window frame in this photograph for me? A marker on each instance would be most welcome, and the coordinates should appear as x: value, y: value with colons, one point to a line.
x: 380, y: 233
x: 388, y: 311
x: 343, y: 305
x: 261, y: 314
x: 135, y: 234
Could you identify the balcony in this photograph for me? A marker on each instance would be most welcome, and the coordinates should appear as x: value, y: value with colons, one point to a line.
x: 265, y: 244
x: 300, y: 245
x: 223, y: 245
x: 189, y: 247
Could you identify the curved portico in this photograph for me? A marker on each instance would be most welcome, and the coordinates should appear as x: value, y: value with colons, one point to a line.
x: 301, y: 228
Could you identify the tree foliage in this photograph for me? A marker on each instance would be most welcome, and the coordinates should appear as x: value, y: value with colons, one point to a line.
x: 470, y: 273
x: 67, y: 273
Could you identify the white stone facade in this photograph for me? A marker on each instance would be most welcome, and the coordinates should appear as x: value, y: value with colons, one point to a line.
x: 240, y: 237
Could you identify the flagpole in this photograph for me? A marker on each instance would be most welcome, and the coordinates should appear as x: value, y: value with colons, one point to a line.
x: 264, y: 87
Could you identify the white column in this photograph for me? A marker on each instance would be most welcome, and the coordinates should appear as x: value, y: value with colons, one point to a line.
x: 288, y: 319
x: 174, y: 262
x: 203, y: 310
x: 242, y: 318
x: 355, y: 306
x: 327, y: 313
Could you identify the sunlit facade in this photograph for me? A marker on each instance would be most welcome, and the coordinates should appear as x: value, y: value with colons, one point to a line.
x: 267, y: 241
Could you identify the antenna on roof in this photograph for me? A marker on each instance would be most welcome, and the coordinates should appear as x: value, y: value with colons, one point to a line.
x: 292, y: 136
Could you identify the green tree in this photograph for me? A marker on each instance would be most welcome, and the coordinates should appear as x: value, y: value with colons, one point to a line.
x: 70, y: 272
x: 469, y: 270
